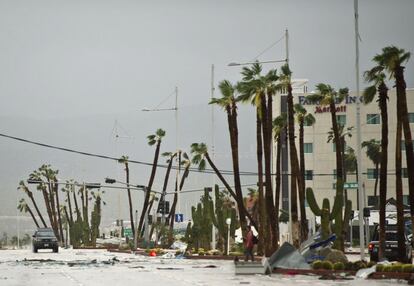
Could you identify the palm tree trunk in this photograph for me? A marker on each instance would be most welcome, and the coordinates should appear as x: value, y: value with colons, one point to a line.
x: 78, y: 213
x: 241, y: 207
x: 383, y: 97
x: 151, y: 181
x: 267, y: 148
x: 263, y: 230
x: 164, y: 188
x: 70, y: 218
x: 171, y: 215
x: 278, y: 180
x: 233, y: 130
x: 409, y: 149
x: 294, y: 171
x: 47, y: 204
x: 131, y: 210
x: 32, y: 215
x: 398, y: 184
x: 376, y: 180
x: 53, y: 208
x: 37, y: 208
x: 339, y: 179
x: 303, y: 221
x: 56, y: 190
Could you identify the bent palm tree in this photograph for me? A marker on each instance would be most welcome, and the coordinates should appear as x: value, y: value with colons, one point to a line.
x: 24, y: 207
x: 200, y: 155
x: 25, y: 189
x: 374, y: 154
x: 154, y: 139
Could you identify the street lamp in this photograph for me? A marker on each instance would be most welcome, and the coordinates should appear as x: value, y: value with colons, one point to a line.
x: 233, y: 64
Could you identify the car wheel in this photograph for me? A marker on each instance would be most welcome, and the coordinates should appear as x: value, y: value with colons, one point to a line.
x: 373, y: 258
x: 34, y: 249
x: 56, y: 249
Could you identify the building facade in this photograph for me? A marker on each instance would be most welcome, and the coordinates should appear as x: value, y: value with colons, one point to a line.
x: 320, y: 160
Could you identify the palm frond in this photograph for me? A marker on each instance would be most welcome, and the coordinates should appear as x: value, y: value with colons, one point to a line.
x: 369, y: 94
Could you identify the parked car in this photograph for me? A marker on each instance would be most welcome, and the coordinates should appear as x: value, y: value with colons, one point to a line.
x: 391, y: 244
x: 44, y: 238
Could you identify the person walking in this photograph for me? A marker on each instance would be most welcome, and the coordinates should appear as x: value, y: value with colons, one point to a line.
x: 248, y: 244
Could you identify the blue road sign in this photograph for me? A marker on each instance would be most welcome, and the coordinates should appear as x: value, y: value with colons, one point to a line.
x: 179, y: 217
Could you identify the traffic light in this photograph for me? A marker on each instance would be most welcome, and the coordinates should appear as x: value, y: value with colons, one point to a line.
x: 161, y: 206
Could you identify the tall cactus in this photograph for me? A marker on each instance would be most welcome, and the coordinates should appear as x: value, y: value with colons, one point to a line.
x: 327, y: 216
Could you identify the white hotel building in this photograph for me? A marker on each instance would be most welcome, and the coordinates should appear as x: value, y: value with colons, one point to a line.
x: 320, y: 161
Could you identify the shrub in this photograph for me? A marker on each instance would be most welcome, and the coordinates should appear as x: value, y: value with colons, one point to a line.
x: 397, y: 267
x: 349, y: 266
x: 359, y: 265
x: 317, y: 264
x: 235, y: 253
x: 327, y: 265
x: 408, y: 268
x: 370, y: 264
x: 201, y: 251
x: 338, y: 266
x: 380, y: 267
x: 387, y: 268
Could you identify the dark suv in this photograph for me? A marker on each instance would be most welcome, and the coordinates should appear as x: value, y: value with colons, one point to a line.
x: 391, y: 244
x: 44, y: 238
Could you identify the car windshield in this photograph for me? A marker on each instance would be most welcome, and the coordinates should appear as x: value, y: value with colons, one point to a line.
x: 45, y: 234
x: 391, y: 236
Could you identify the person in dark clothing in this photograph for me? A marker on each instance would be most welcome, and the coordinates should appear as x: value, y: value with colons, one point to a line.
x: 248, y: 244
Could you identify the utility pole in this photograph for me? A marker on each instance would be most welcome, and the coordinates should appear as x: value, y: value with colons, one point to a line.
x: 213, y: 194
x: 361, y: 193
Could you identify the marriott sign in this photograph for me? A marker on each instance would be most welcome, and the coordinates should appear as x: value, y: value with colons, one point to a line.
x: 322, y: 109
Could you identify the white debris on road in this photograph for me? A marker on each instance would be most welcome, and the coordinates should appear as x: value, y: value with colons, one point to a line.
x: 98, y: 267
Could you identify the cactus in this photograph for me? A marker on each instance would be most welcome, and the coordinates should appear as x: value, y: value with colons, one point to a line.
x: 327, y: 215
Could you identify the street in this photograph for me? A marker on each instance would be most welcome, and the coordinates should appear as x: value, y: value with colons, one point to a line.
x: 98, y: 267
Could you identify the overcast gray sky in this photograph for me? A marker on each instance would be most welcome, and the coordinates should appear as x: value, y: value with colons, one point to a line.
x: 70, y: 69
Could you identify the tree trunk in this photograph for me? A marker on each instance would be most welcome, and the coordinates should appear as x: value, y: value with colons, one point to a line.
x: 78, y: 213
x: 70, y: 218
x: 30, y: 194
x: 171, y: 215
x: 303, y: 221
x: 53, y: 209
x: 131, y: 209
x: 278, y: 181
x: 376, y: 180
x: 47, y: 204
x: 398, y: 185
x: 164, y: 188
x: 56, y: 190
x: 294, y: 171
x: 151, y: 181
x: 33, y: 217
x: 383, y: 97
x: 409, y: 151
x: 241, y: 207
x: 263, y: 230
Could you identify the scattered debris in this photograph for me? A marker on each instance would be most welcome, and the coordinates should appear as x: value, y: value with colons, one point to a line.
x: 169, y: 268
x: 288, y: 257
x: 206, y: 266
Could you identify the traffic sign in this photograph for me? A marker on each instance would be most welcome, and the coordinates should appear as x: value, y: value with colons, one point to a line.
x: 179, y: 217
x: 353, y: 185
x: 127, y: 232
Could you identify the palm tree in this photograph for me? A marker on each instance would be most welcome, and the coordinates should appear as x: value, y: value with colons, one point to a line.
x: 303, y: 118
x: 25, y: 189
x: 200, y: 155
x: 327, y: 95
x: 153, y: 139
x: 170, y: 158
x: 124, y: 160
x: 67, y: 189
x: 374, y: 154
x: 376, y: 77
x: 228, y: 103
x: 259, y: 90
x: 295, y: 179
x: 393, y: 59
x: 24, y: 207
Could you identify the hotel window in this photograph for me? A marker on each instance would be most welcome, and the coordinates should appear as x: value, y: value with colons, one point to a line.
x: 308, y: 147
x: 341, y: 119
x: 404, y: 172
x: 373, y: 119
x: 411, y: 117
x: 308, y: 175
x: 334, y: 174
x: 406, y: 199
x: 372, y: 174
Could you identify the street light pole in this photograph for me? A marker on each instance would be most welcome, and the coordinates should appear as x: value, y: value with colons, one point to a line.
x: 213, y: 153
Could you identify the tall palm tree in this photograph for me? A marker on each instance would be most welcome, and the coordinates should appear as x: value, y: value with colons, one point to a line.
x: 24, y: 207
x: 279, y: 128
x: 295, y: 179
x: 170, y: 158
x: 228, y: 103
x: 25, y: 189
x: 303, y: 118
x: 259, y: 90
x: 200, y: 155
x: 376, y: 77
x: 373, y: 152
x: 393, y: 60
x: 153, y: 139
x: 124, y: 160
x: 327, y: 95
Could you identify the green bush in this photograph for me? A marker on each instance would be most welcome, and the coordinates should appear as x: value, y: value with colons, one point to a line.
x: 317, y: 264
x: 338, y: 266
x: 380, y: 267
x: 327, y: 265
x: 349, y: 266
x: 397, y: 267
x: 387, y: 268
x: 236, y: 253
x: 359, y: 265
x: 408, y: 268
x: 370, y: 264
